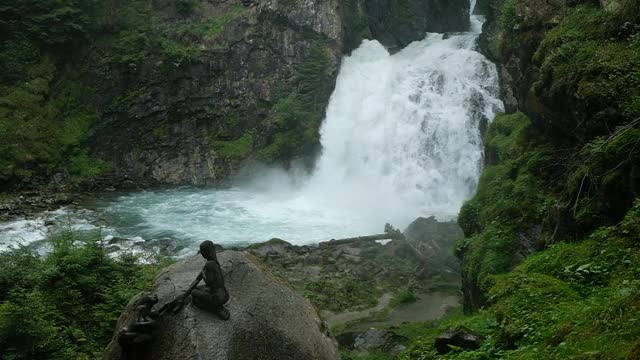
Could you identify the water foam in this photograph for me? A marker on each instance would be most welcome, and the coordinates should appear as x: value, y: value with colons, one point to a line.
x: 401, y: 139
x: 402, y: 134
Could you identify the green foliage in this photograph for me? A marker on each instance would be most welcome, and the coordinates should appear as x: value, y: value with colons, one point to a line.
x: 295, y: 120
x: 217, y: 25
x: 348, y: 355
x: 580, y: 56
x: 46, y: 22
x: 510, y: 198
x: 39, y: 126
x: 422, y: 344
x: 83, y: 167
x: 186, y: 7
x: 65, y: 305
x: 403, y: 296
x: 296, y: 126
x: 237, y: 149
x: 341, y: 294
x: 507, y: 19
x: 606, y: 167
x: 572, y: 300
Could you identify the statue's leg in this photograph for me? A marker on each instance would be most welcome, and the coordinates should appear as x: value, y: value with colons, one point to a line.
x: 220, y: 297
x: 202, y: 300
x: 211, y: 302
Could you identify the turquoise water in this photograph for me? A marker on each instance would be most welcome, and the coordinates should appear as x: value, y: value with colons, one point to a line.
x: 226, y: 216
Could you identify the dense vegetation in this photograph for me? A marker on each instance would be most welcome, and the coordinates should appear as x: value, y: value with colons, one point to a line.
x: 552, y: 249
x: 551, y: 254
x: 70, y: 65
x: 65, y: 305
x: 43, y: 119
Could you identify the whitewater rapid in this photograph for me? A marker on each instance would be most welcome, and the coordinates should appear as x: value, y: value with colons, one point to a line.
x: 402, y: 134
x: 401, y: 139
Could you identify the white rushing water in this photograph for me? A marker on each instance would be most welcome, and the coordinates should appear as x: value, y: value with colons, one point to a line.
x: 401, y: 139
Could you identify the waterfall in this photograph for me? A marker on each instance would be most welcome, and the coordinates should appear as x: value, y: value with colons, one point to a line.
x: 401, y: 137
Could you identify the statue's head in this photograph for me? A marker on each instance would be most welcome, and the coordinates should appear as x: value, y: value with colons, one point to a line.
x: 208, y: 250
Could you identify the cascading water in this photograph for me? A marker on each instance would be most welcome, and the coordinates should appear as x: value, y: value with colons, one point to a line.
x: 402, y: 133
x: 401, y: 139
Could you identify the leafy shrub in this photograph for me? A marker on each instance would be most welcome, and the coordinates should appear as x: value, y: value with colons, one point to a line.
x: 295, y: 120
x: 64, y: 305
x: 186, y: 7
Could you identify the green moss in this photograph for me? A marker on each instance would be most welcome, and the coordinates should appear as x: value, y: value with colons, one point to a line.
x: 295, y: 120
x: 161, y: 132
x: 578, y: 300
x: 186, y: 7
x: 41, y: 126
x: 507, y: 20
x: 511, y: 199
x: 216, y: 26
x: 236, y: 149
x: 83, y: 167
x: 403, y: 296
x: 579, y: 55
x: 274, y: 241
x: 341, y: 294
x: 507, y: 136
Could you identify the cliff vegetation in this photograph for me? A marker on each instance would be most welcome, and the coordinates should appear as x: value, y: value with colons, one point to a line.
x: 550, y: 257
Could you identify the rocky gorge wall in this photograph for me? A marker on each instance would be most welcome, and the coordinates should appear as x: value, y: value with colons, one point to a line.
x: 563, y: 162
x: 256, y: 90
x: 185, y: 91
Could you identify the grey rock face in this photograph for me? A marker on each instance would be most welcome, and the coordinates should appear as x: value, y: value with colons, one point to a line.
x: 374, y: 340
x: 165, y: 126
x: 397, y: 23
x: 268, y: 320
x: 437, y: 241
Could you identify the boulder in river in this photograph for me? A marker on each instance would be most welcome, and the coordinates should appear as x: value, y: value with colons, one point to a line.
x: 269, y: 321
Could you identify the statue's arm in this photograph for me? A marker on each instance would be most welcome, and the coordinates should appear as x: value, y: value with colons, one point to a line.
x: 193, y: 284
x: 178, y: 302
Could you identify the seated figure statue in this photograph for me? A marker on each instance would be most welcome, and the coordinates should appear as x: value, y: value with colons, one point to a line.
x: 213, y: 295
x: 136, y: 336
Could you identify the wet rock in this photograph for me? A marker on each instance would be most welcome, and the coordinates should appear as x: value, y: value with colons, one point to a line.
x: 373, y: 340
x: 269, y: 321
x: 312, y: 259
x: 461, y: 337
x: 274, y: 248
x: 436, y: 240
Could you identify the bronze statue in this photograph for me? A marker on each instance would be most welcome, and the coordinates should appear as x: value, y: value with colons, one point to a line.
x: 213, y: 295
x: 136, y: 336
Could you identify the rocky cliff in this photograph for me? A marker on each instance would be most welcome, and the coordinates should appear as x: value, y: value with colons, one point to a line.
x: 183, y: 91
x: 268, y: 320
x: 256, y: 89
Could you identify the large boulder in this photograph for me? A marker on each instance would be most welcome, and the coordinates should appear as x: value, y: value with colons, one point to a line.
x: 268, y: 319
x: 436, y: 240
